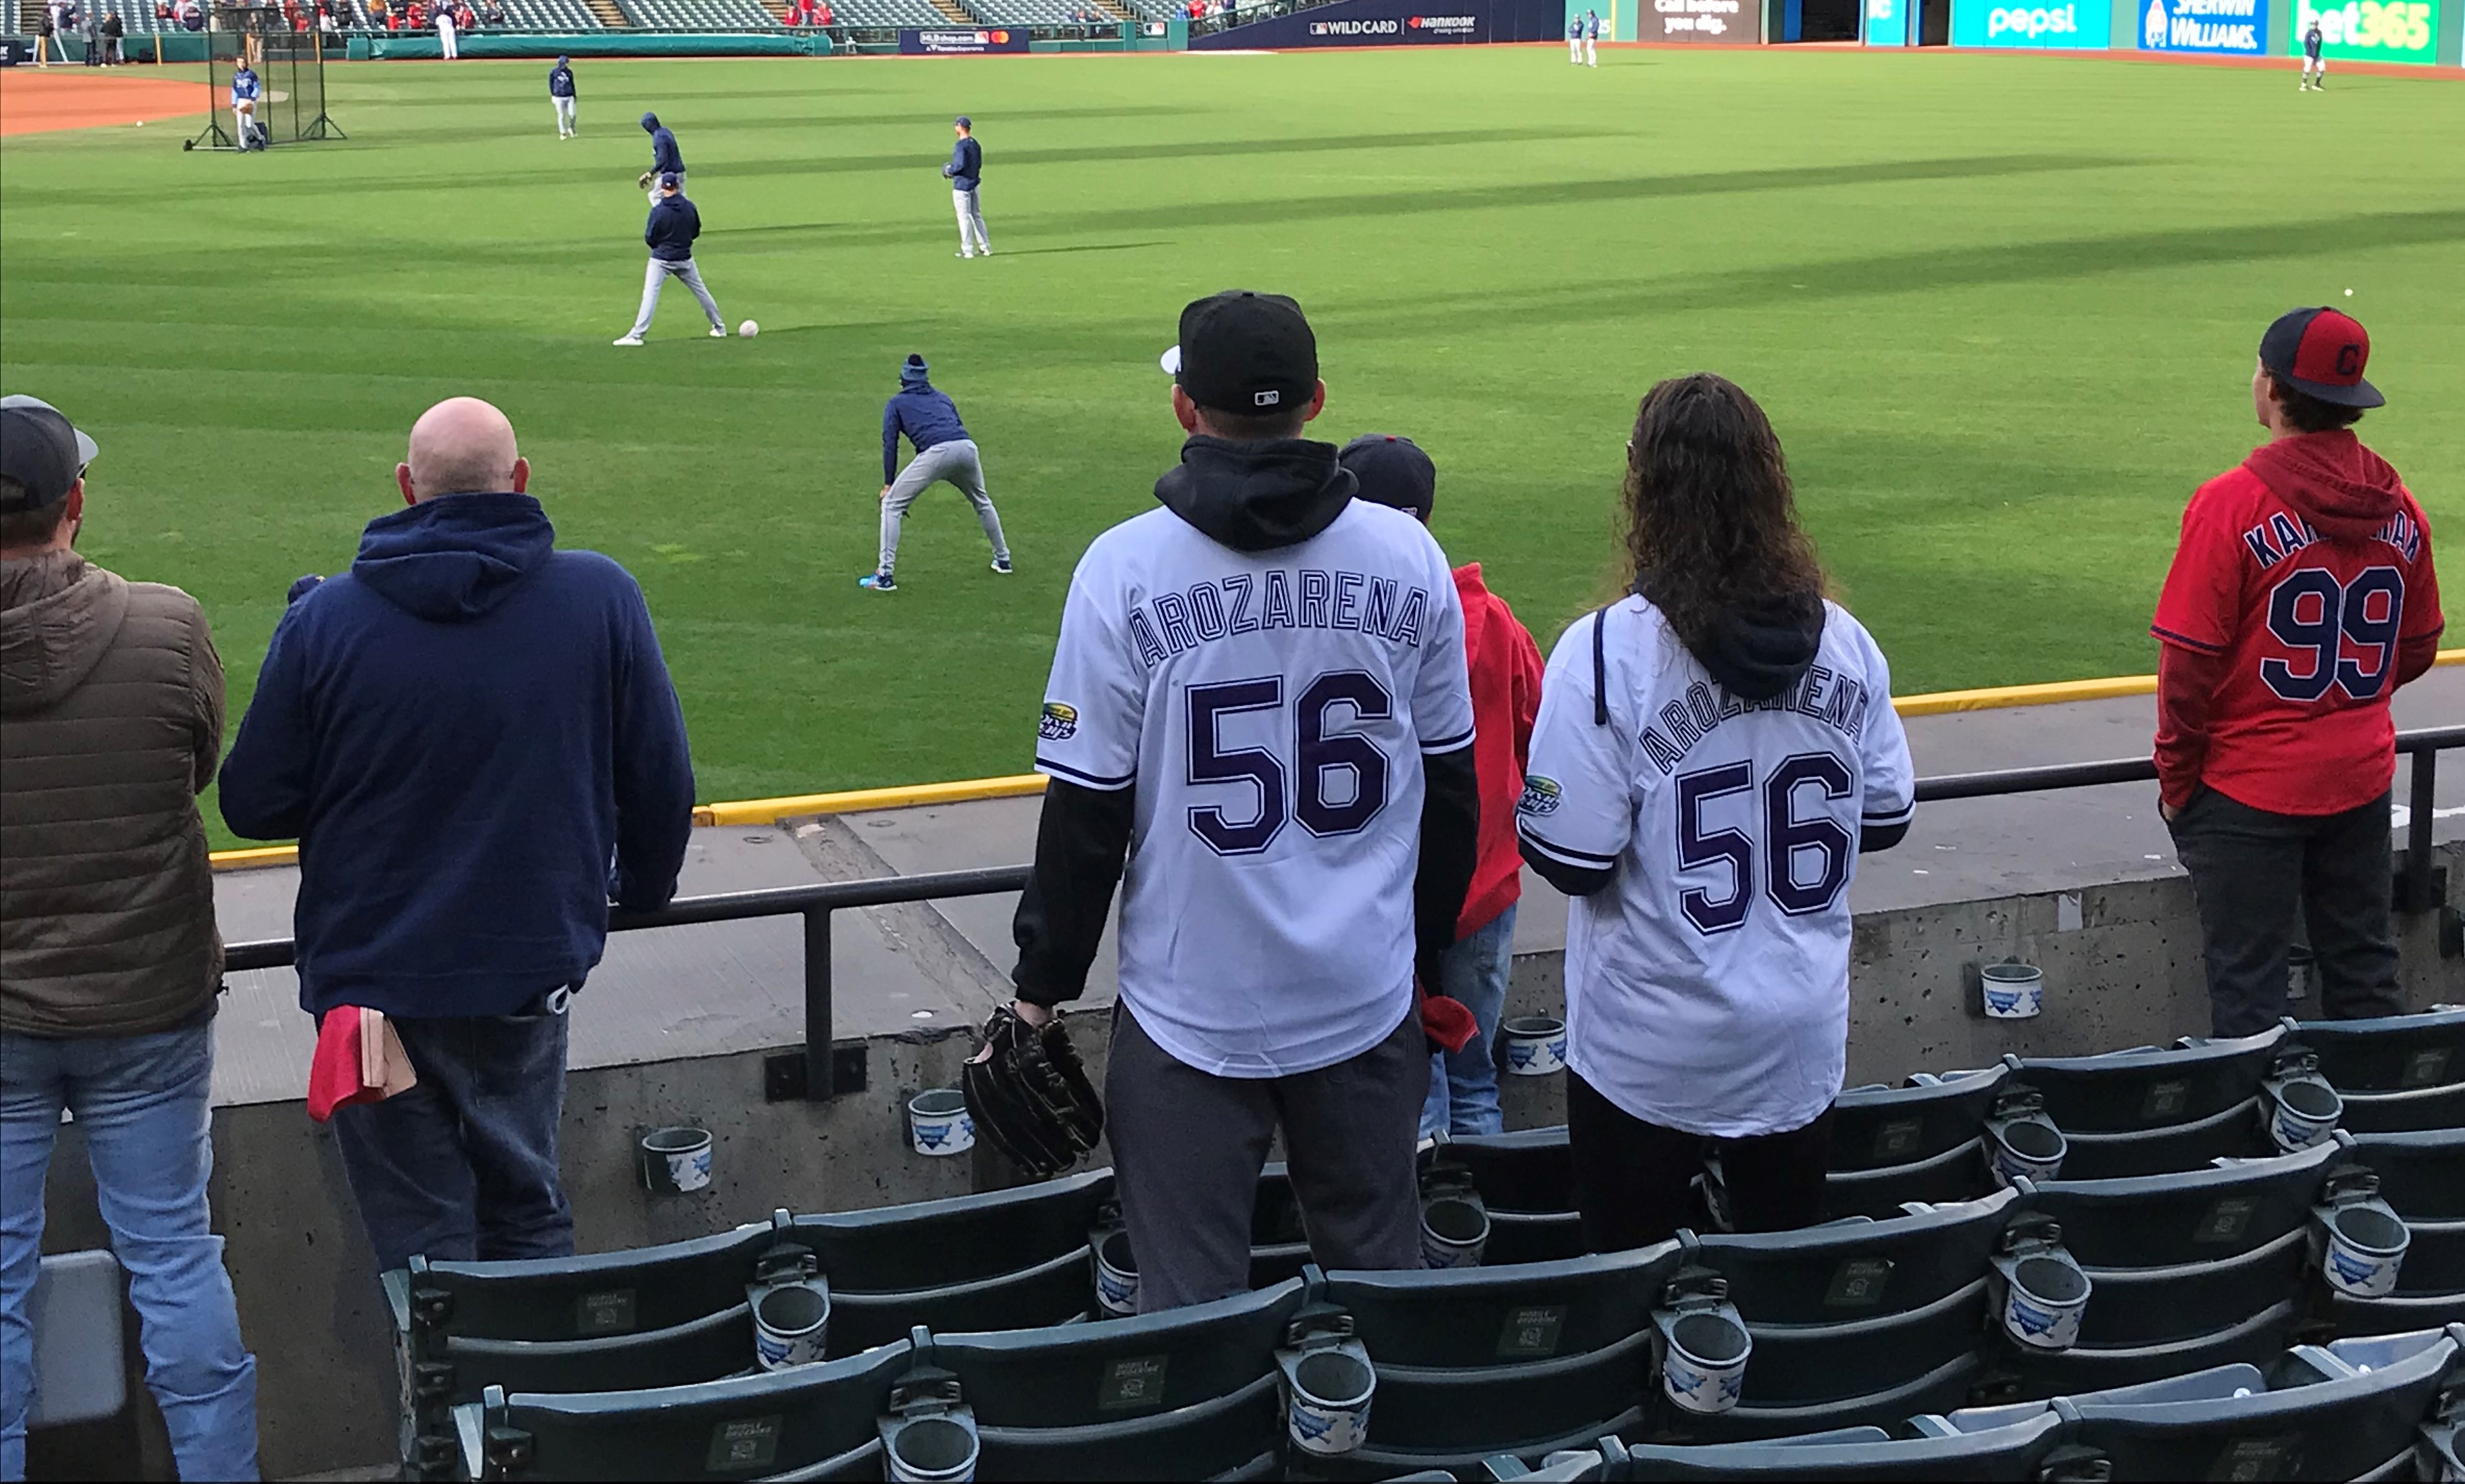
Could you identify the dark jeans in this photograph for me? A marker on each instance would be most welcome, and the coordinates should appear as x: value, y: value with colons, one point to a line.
x: 1632, y: 1178
x: 1188, y: 1148
x: 2253, y: 871
x: 464, y: 1164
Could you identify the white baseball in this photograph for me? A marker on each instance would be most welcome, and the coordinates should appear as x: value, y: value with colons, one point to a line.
x: 748, y: 330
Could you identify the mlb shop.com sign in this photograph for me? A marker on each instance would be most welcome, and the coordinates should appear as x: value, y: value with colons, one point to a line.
x: 2232, y: 27
x: 957, y: 43
x: 2367, y: 30
x: 2075, y: 26
x: 1696, y: 20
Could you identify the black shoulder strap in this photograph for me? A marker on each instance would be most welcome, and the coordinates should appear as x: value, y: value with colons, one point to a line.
x: 1600, y: 668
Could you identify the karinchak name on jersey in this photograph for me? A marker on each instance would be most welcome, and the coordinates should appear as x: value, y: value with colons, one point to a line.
x: 1836, y: 700
x: 1170, y: 623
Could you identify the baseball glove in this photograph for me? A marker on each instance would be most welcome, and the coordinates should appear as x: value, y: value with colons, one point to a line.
x: 1029, y: 1096
x: 644, y: 184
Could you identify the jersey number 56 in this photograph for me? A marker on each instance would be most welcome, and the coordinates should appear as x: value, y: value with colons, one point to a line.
x: 1320, y: 755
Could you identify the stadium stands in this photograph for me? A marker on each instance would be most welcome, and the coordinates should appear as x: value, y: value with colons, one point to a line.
x: 871, y: 14
x: 1924, y: 1142
x: 2403, y: 1072
x: 699, y: 14
x: 1527, y: 1181
x: 549, y: 16
x: 2146, y: 1111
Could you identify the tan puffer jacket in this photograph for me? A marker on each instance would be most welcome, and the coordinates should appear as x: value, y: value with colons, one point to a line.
x: 111, y: 722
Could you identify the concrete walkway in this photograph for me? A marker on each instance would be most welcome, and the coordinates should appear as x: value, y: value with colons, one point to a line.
x: 931, y: 969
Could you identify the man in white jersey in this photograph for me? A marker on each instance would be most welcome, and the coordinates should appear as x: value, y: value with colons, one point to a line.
x: 1711, y: 754
x: 1260, y: 702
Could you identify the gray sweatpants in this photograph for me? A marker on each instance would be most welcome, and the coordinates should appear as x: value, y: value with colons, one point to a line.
x: 971, y: 206
x: 655, y: 277
x: 960, y: 464
x: 1188, y: 1148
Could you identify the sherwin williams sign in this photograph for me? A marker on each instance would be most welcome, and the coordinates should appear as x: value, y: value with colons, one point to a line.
x: 1887, y: 22
x: 2075, y: 26
x: 2231, y: 28
x: 2368, y: 30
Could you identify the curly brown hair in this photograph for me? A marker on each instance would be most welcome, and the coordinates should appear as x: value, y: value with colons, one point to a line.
x: 1711, y: 517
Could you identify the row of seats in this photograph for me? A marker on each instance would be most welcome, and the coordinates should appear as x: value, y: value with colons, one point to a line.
x: 699, y: 14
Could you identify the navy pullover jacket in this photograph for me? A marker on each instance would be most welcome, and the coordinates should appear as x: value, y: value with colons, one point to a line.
x: 474, y: 737
x: 922, y: 412
x: 670, y: 231
x: 966, y: 164
x: 559, y: 84
x: 664, y: 154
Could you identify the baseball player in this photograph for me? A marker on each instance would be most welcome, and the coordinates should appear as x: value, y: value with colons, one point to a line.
x: 1714, y: 752
x: 944, y: 452
x: 670, y: 234
x: 1258, y: 724
x: 2302, y: 596
x: 245, y: 91
x: 445, y: 34
x: 2315, y: 68
x: 1591, y: 38
x: 1575, y: 40
x: 967, y: 171
x: 559, y: 92
x: 666, y: 159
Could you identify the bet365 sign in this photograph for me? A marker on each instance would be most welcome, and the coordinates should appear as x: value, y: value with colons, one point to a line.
x: 2367, y: 30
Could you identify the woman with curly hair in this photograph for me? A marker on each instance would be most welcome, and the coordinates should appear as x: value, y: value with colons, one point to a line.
x: 1714, y: 751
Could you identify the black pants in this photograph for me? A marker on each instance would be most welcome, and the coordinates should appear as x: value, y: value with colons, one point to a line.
x: 2253, y: 871
x: 1633, y: 1177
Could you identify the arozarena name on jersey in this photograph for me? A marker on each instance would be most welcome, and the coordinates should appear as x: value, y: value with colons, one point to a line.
x: 1170, y: 622
x: 2282, y: 535
x: 1833, y: 699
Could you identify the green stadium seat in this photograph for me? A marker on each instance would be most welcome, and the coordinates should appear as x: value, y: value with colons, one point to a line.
x: 2422, y: 1172
x: 1527, y: 1181
x: 1961, y: 1173
x: 2390, y: 1054
x: 2147, y: 1110
x: 2012, y: 1453
x: 1879, y: 1127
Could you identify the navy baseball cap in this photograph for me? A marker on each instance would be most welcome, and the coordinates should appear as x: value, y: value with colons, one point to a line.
x: 2322, y: 353
x: 41, y: 452
x: 1391, y: 470
x: 964, y: 121
x: 1245, y: 352
x: 672, y: 180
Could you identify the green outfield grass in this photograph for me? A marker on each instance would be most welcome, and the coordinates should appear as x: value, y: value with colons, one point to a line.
x: 2001, y: 308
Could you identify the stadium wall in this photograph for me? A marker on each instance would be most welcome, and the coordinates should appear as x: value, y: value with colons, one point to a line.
x: 1357, y: 23
x: 387, y: 47
x: 2121, y: 965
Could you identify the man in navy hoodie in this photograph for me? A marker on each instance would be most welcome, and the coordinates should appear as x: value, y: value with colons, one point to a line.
x: 670, y: 233
x: 666, y: 159
x: 966, y: 173
x: 474, y: 739
x: 943, y: 452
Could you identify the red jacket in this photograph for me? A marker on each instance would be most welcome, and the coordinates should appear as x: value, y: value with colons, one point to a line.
x: 1505, y: 666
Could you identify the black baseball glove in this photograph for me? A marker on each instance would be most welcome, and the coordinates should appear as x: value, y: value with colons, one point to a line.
x: 1029, y: 1096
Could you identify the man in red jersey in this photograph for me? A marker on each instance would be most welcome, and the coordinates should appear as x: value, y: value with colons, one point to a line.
x: 2301, y: 598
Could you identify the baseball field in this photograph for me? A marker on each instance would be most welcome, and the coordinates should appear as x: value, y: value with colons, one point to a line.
x: 2002, y: 309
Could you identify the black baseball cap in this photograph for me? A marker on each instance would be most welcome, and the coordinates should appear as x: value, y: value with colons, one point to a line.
x: 1391, y: 470
x: 964, y: 121
x: 2322, y: 353
x: 671, y: 181
x: 1246, y: 353
x: 41, y: 452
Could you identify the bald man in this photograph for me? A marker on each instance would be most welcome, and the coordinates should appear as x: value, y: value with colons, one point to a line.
x: 493, y: 753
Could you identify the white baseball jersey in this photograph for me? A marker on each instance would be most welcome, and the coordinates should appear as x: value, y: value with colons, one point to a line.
x: 1271, y: 709
x: 1708, y: 985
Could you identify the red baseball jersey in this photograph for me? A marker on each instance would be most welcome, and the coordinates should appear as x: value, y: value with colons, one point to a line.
x: 2307, y: 600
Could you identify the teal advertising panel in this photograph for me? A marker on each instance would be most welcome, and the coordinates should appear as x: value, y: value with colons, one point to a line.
x: 2368, y: 30
x: 1887, y: 22
x: 2073, y: 25
x: 2224, y: 27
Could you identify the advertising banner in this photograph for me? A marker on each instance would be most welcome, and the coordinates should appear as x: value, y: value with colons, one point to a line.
x: 1396, y: 30
x: 1887, y: 22
x: 2073, y: 25
x: 2368, y: 30
x: 959, y: 41
x: 1696, y: 20
x: 2226, y: 27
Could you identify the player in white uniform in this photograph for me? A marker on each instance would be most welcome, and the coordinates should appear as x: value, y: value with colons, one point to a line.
x: 1258, y: 700
x: 245, y: 91
x: 1713, y: 753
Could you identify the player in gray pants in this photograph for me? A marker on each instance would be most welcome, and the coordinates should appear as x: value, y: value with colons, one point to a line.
x: 943, y: 453
x: 670, y: 234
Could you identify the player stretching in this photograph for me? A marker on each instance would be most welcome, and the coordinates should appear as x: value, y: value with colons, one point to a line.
x: 1258, y: 707
x: 2315, y: 68
x: 943, y: 452
x: 670, y: 234
x: 245, y: 91
x: 559, y: 92
x: 967, y: 171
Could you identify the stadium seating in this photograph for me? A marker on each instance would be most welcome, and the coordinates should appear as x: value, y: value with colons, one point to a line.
x: 2189, y: 1270
x: 704, y: 15
x: 549, y: 16
x: 811, y: 1422
x: 2011, y: 1452
x: 873, y: 14
x: 1527, y: 1181
x: 1185, y: 1394
x: 2146, y: 1111
x: 1036, y: 13
x: 1858, y: 1321
x: 1522, y: 1359
x: 2397, y: 1073
x: 2422, y: 1176
x: 1922, y: 1141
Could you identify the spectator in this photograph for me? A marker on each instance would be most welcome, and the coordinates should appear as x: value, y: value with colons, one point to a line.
x: 93, y: 34
x: 192, y: 16
x: 1714, y: 751
x: 463, y: 732
x: 1505, y: 667
x: 2301, y: 598
x: 109, y: 961
x: 379, y: 16
x: 493, y: 17
x: 46, y: 37
x: 112, y: 30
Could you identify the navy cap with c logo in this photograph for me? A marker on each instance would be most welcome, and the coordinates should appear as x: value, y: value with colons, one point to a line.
x: 2322, y: 353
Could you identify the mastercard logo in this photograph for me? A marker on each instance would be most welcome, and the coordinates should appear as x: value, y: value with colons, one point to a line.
x: 1001, y: 38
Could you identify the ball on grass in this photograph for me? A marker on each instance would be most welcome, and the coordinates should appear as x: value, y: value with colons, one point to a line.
x: 2349, y: 292
x: 748, y: 330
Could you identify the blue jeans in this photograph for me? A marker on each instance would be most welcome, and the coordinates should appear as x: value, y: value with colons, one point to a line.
x: 464, y: 1164
x: 1463, y: 1085
x: 142, y: 1100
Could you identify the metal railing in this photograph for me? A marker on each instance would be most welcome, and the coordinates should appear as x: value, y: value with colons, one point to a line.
x: 823, y: 1068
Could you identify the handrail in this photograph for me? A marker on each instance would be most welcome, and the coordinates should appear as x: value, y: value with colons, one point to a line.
x: 815, y: 1072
